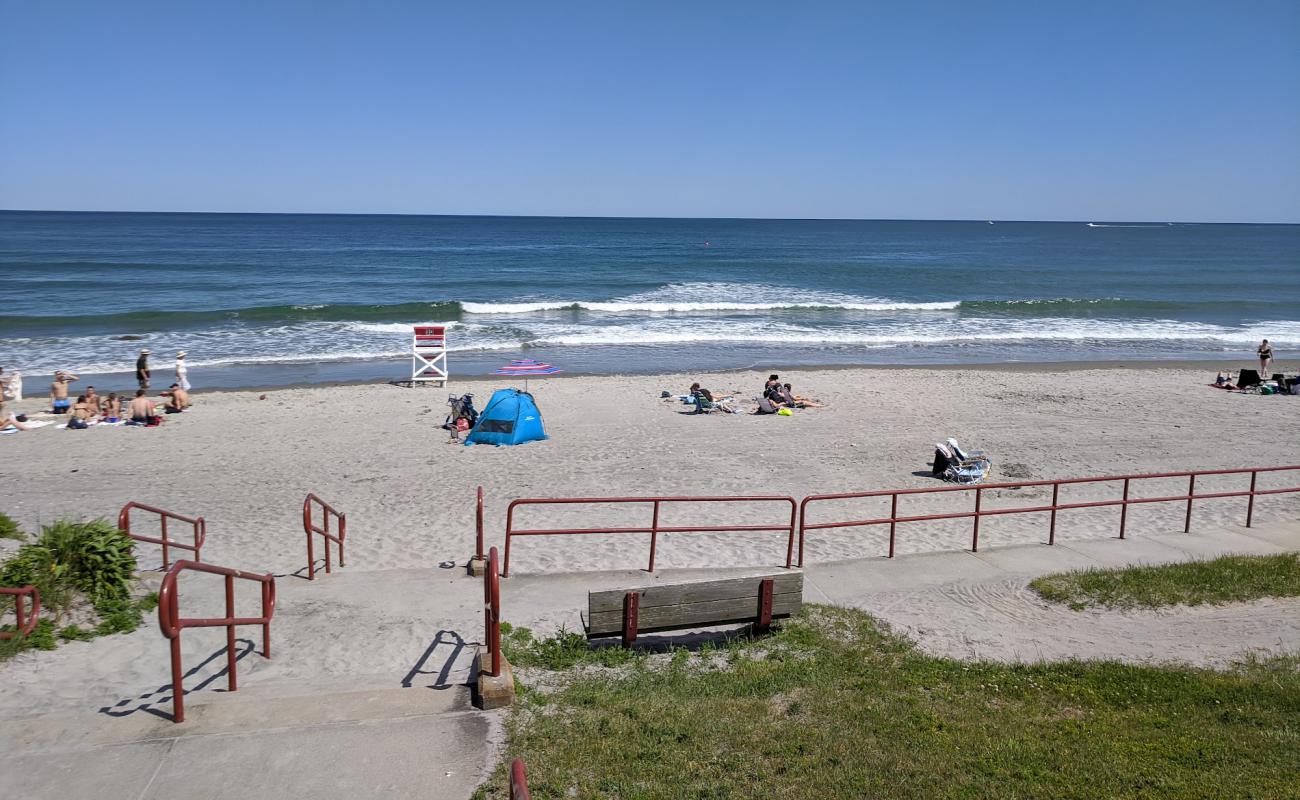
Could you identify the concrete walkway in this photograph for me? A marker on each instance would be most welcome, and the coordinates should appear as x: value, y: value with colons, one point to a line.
x: 365, y: 695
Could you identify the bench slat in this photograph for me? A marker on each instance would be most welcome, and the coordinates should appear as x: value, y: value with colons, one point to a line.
x: 694, y: 592
x: 685, y: 615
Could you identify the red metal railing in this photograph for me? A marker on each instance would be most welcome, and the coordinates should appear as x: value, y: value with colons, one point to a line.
x: 1124, y: 502
x: 519, y: 781
x: 478, y: 526
x: 198, y: 523
x: 25, y: 623
x: 655, y: 528
x: 492, y: 613
x: 310, y: 527
x: 172, y: 623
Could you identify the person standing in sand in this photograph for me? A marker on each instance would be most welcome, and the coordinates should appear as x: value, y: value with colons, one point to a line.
x: 59, y: 401
x: 11, y: 386
x: 142, y: 369
x: 182, y: 374
x: 1265, y: 352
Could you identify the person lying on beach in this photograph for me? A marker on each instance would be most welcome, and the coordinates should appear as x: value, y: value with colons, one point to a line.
x: 789, y: 398
x: 8, y: 420
x: 141, y: 409
x: 1224, y: 382
x: 59, y: 401
x: 177, y: 399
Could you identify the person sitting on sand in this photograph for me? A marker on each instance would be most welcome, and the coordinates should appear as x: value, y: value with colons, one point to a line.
x: 59, y: 401
x: 791, y: 399
x: 111, y: 408
x: 141, y: 409
x: 177, y: 399
x: 705, y: 393
x: 93, y: 399
x: 82, y: 413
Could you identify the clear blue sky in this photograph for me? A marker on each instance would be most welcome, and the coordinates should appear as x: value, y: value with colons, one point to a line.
x: 1035, y: 110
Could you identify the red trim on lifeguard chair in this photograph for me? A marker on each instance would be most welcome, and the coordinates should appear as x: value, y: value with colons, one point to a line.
x: 429, y: 354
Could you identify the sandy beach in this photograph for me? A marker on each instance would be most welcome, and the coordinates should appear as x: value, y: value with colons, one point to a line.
x: 376, y: 452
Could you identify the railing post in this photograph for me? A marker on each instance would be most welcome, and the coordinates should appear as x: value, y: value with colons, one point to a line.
x: 1191, y: 492
x: 164, y: 541
x: 789, y: 546
x: 1051, y: 532
x: 654, y: 535
x: 325, y: 519
x: 893, y: 522
x: 202, y: 528
x: 178, y: 691
x: 18, y: 614
x: 518, y: 782
x: 311, y: 549
x: 975, y: 532
x: 492, y: 612
x: 478, y: 525
x: 1250, y: 501
x: 267, y: 589
x: 230, y: 633
x: 803, y: 520
x: 343, y: 535
x: 510, y: 521
x: 1123, y: 510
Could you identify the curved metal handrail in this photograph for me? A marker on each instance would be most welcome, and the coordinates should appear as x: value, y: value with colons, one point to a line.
x: 311, y: 527
x: 26, y: 622
x: 200, y: 529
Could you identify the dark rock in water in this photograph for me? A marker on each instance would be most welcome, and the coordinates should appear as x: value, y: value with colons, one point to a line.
x: 130, y: 337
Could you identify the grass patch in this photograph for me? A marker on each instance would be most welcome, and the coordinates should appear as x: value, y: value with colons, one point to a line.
x: 834, y: 705
x: 82, y: 569
x: 1228, y: 579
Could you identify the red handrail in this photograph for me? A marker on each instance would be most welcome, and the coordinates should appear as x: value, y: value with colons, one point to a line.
x: 25, y: 624
x: 492, y: 613
x: 310, y: 527
x: 478, y: 526
x: 1124, y: 502
x: 519, y: 781
x: 655, y: 528
x: 171, y: 623
x: 200, y: 529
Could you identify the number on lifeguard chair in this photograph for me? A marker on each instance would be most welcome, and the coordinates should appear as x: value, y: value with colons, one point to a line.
x: 429, y: 355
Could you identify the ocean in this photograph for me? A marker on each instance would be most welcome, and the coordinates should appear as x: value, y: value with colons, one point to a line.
x: 268, y: 299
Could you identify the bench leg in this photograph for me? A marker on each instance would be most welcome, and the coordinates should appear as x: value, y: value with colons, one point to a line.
x: 631, y: 603
x: 764, y: 620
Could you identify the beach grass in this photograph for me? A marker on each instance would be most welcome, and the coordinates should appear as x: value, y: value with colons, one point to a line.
x: 1228, y: 579
x: 835, y: 705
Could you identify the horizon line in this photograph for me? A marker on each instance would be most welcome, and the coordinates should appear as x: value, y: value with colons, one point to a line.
x: 629, y: 217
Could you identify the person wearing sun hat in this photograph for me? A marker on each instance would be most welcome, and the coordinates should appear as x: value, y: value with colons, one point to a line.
x: 182, y: 374
x: 142, y: 369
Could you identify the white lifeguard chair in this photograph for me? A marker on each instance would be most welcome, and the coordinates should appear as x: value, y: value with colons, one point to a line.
x: 429, y: 355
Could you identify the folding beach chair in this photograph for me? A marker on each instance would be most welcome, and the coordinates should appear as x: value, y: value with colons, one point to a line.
x: 957, y: 466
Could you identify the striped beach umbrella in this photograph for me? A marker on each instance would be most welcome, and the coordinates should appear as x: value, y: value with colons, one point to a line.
x: 526, y: 368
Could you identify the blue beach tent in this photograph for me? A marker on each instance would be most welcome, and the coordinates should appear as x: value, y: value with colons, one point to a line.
x: 511, y: 417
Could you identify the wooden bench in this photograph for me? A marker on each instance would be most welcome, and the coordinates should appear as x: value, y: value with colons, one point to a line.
x: 663, y: 607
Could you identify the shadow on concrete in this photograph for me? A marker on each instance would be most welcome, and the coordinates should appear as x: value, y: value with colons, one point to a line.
x: 163, y: 694
x: 301, y: 572
x: 432, y: 662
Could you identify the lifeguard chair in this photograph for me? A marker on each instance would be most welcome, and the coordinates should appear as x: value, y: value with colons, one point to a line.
x: 429, y: 355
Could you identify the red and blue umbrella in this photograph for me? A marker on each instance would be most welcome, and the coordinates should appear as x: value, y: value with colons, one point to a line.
x: 526, y: 368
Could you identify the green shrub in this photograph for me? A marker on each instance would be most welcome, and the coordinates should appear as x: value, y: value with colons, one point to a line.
x: 9, y: 529
x: 90, y: 558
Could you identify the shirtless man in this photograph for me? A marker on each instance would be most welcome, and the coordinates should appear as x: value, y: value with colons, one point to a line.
x: 59, y: 392
x: 141, y: 408
x: 177, y: 399
x: 93, y: 399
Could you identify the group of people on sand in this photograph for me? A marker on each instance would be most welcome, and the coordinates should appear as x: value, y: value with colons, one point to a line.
x: 776, y: 396
x: 91, y: 408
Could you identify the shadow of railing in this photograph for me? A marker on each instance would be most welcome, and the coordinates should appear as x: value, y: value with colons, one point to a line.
x: 163, y: 694
x: 442, y: 669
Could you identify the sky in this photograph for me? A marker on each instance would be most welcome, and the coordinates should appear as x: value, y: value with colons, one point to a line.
x: 919, y: 110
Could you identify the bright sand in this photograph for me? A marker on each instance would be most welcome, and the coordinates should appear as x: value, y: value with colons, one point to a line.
x: 376, y: 452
